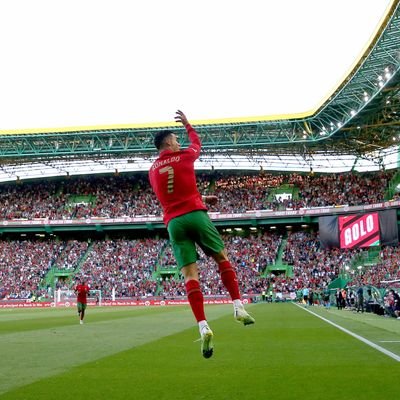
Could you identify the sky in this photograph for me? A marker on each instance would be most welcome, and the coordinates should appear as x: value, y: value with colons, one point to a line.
x: 85, y: 63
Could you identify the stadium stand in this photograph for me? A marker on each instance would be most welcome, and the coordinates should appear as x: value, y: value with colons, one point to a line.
x: 116, y: 196
x: 282, y: 262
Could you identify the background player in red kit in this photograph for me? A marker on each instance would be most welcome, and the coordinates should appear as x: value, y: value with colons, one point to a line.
x: 173, y: 180
x: 82, y: 290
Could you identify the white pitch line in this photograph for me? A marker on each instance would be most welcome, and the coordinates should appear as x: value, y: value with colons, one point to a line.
x: 362, y: 339
x: 389, y: 341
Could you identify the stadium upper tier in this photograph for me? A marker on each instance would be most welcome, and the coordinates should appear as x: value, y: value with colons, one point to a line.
x: 131, y: 195
x: 360, y: 120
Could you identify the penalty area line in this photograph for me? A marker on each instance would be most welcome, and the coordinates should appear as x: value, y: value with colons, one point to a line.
x: 358, y: 337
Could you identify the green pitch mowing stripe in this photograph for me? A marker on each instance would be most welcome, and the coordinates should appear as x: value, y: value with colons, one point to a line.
x: 287, y: 354
x: 54, y: 342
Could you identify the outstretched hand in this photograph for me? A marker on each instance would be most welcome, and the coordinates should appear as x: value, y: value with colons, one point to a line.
x: 181, y: 117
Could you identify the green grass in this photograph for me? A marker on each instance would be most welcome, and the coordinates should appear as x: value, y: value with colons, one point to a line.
x: 152, y: 353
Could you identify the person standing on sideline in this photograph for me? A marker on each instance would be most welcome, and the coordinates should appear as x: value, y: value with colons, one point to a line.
x: 82, y: 290
x: 396, y: 303
x: 339, y: 299
x: 360, y: 299
x: 326, y: 295
x: 305, y: 292
x: 173, y: 180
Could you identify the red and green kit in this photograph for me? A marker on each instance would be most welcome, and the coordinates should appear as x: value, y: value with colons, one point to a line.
x: 173, y: 179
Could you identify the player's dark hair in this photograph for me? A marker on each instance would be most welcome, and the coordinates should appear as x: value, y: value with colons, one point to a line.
x: 160, y: 137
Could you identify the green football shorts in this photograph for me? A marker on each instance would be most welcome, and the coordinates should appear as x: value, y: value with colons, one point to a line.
x: 190, y: 229
x: 81, y: 307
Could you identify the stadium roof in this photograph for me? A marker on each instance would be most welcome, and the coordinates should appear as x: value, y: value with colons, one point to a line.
x: 356, y: 126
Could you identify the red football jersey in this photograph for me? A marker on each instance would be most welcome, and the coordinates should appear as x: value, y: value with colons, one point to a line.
x: 83, y: 291
x: 173, y: 179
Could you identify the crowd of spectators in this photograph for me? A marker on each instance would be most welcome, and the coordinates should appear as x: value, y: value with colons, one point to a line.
x: 126, y: 267
x: 385, y: 270
x: 343, y: 189
x: 71, y: 253
x: 250, y: 255
x: 23, y: 266
x: 131, y: 195
x: 313, y: 267
x: 239, y: 193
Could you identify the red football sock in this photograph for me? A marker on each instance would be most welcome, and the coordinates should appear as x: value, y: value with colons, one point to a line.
x: 196, y: 299
x: 229, y: 279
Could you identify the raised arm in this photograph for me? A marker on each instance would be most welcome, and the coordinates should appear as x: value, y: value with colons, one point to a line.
x: 195, y: 143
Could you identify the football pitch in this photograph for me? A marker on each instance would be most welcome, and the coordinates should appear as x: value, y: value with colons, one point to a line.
x: 154, y: 353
